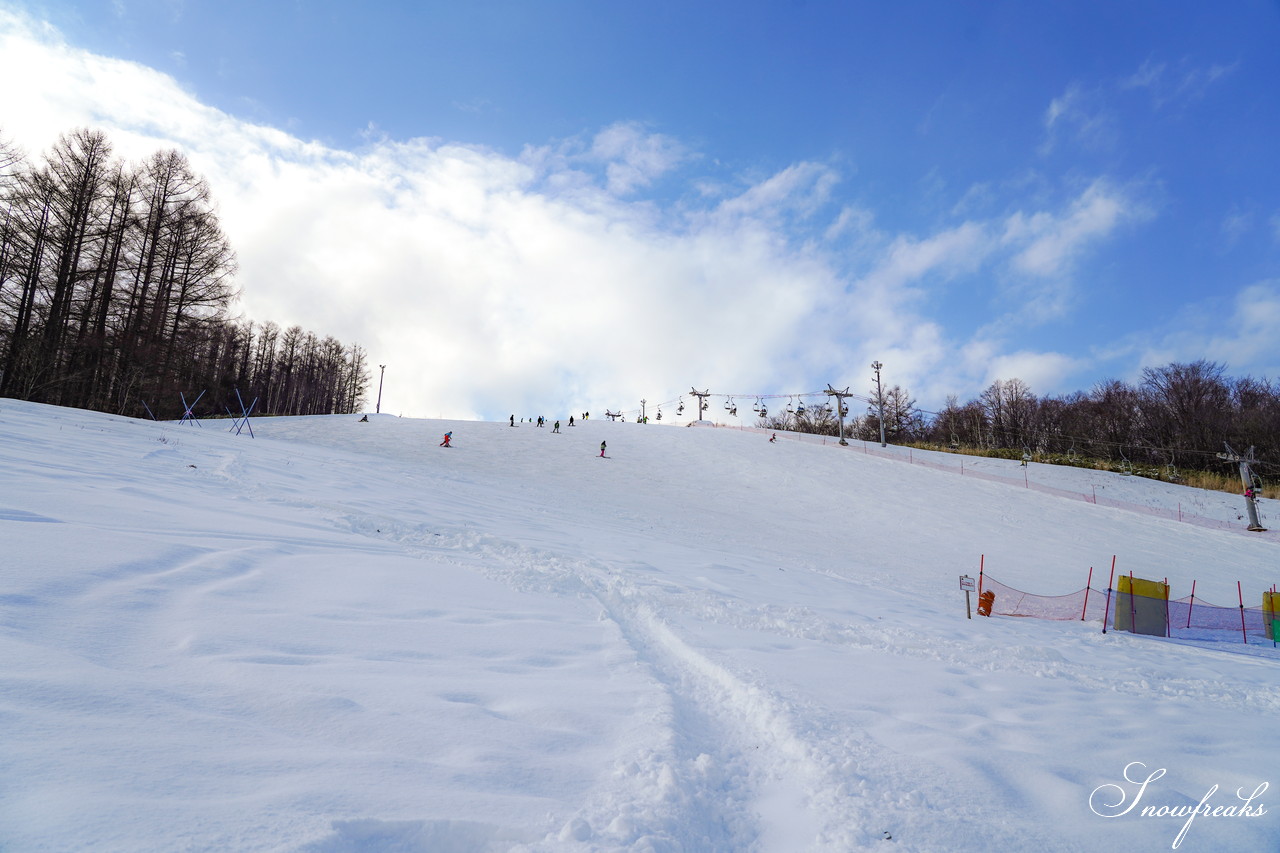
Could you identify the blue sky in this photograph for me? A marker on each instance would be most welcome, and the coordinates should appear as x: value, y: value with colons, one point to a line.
x: 565, y: 206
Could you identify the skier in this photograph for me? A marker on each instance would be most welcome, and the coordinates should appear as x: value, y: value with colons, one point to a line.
x: 513, y: 420
x: 570, y: 420
x: 602, y: 449
x: 447, y: 437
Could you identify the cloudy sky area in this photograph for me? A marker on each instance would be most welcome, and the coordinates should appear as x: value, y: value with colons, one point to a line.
x: 553, y: 207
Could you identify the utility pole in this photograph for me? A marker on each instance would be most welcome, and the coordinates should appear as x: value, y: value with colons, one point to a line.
x: 1246, y: 476
x: 642, y: 414
x: 382, y: 371
x: 875, y: 365
x: 839, y: 395
x: 702, y: 399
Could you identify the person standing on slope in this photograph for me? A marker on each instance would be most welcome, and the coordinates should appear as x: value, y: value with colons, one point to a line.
x: 448, y: 436
x: 602, y: 445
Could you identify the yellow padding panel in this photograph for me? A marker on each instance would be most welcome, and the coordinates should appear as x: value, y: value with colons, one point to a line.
x: 1142, y: 606
x: 1143, y: 588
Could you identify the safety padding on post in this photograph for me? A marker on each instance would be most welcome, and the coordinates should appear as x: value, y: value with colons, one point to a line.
x: 1270, y: 613
x: 1142, y: 606
x: 985, y: 602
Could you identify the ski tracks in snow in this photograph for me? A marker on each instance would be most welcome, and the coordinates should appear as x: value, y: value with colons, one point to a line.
x: 715, y: 762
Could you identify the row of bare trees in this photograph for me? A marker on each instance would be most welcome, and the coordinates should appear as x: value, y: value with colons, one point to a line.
x: 116, y: 282
x: 1179, y: 414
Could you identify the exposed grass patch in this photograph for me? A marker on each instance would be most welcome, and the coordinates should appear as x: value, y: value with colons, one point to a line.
x: 1211, y: 480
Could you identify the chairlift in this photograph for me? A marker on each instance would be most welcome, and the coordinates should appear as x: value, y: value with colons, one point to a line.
x: 764, y: 410
x: 680, y: 408
x: 734, y: 411
x: 728, y: 404
x: 658, y: 416
x: 790, y: 409
x: 1126, y: 467
x: 800, y: 408
x: 955, y: 441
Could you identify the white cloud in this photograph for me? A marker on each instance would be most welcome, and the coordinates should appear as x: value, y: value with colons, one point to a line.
x: 1178, y: 86
x: 540, y: 283
x: 1239, y: 331
x: 1081, y: 114
x: 1040, y: 370
x: 1051, y: 242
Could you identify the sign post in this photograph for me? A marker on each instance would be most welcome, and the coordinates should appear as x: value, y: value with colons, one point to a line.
x: 966, y: 583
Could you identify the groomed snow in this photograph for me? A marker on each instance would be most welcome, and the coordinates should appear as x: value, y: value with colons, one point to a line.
x: 338, y: 636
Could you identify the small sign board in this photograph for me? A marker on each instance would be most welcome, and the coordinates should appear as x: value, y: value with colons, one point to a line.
x: 967, y: 584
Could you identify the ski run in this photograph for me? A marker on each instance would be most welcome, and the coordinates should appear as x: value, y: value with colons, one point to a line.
x: 337, y: 636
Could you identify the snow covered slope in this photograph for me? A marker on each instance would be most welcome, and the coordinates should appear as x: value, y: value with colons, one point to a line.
x: 338, y: 636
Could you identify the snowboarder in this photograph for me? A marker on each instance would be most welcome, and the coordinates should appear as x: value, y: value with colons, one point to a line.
x: 365, y: 419
x: 773, y: 438
x: 602, y: 449
x: 557, y: 427
x: 513, y: 420
x: 570, y: 420
x: 448, y: 436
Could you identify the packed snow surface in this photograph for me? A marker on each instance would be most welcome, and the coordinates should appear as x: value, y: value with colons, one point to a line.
x: 340, y: 636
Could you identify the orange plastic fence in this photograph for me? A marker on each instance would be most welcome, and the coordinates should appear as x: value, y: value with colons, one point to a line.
x: 1189, y: 617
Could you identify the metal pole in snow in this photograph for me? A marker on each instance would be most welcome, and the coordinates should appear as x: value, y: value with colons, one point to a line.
x: 1167, y: 627
x: 1106, y: 611
x: 1193, y: 602
x: 1243, y: 631
x: 1133, y: 607
x: 982, y: 559
x: 1087, y: 583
